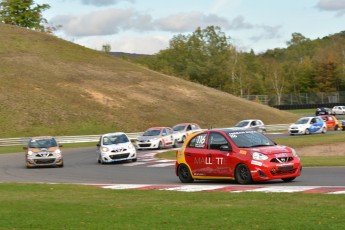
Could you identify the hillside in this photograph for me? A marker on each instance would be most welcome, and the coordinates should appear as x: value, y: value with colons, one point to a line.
x: 51, y: 86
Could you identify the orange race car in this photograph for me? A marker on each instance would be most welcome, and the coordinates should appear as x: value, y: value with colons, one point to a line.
x: 331, y: 122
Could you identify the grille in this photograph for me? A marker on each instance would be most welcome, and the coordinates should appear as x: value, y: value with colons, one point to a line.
x: 293, y: 131
x: 118, y: 150
x: 119, y: 156
x: 45, y: 161
x: 283, y: 172
x: 144, y: 145
x: 282, y: 159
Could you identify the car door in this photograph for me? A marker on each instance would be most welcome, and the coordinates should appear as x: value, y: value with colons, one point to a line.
x: 168, y: 136
x: 316, y: 125
x: 218, y: 155
x: 194, y: 154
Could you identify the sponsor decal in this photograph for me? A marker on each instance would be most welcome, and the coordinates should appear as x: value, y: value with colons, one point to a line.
x: 281, y: 155
x: 210, y: 160
x: 258, y: 163
x: 284, y: 164
x: 244, y: 152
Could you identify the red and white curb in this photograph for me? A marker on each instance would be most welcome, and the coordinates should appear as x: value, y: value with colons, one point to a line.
x: 230, y: 188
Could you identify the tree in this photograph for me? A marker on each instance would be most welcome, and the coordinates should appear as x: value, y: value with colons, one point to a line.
x: 106, y: 48
x: 23, y: 13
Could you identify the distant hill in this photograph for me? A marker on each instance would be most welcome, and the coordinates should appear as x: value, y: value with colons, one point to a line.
x: 49, y: 86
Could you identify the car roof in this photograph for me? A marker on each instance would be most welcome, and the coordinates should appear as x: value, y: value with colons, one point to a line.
x: 113, y: 134
x: 160, y: 128
x: 186, y: 123
x: 41, y: 137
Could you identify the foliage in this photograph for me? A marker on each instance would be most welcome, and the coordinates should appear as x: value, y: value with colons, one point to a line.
x: 23, y: 13
x: 206, y: 56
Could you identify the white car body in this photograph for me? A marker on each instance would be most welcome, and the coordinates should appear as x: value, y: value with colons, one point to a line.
x: 114, y: 147
x: 183, y: 130
x: 251, y: 124
x: 308, y: 125
x: 157, y: 138
x: 338, y: 109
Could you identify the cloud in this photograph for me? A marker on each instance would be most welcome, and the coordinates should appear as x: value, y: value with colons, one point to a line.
x: 104, y: 22
x: 187, y: 22
x: 332, y: 5
x: 103, y: 2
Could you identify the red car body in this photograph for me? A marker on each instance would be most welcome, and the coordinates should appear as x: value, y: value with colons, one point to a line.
x: 244, y: 156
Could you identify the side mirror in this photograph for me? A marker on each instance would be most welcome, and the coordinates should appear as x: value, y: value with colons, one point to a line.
x: 98, y: 145
x: 60, y: 146
x: 25, y: 148
x: 225, y: 148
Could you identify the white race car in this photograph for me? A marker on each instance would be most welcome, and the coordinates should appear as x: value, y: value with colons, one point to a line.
x: 157, y: 138
x: 183, y: 130
x: 308, y: 125
x: 114, y: 147
x: 338, y: 110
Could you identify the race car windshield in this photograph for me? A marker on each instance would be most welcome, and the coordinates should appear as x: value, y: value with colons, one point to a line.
x: 302, y: 121
x: 242, y: 124
x: 250, y: 139
x: 152, y: 132
x: 42, y: 143
x: 179, y: 128
x: 116, y: 139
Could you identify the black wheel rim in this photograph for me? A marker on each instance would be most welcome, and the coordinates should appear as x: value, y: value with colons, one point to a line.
x: 184, y: 172
x: 244, y: 173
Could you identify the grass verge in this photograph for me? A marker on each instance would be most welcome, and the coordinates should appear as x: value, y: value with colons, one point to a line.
x: 84, y: 207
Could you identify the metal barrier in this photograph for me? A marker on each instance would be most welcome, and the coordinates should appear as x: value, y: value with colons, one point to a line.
x: 61, y: 139
x: 94, y: 138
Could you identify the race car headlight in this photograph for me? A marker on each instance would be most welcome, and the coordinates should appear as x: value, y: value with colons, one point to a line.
x: 130, y: 146
x: 104, y: 149
x: 294, y: 153
x: 58, y: 151
x: 30, y: 153
x: 259, y: 156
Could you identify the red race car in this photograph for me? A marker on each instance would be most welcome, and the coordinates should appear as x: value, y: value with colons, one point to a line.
x: 244, y: 156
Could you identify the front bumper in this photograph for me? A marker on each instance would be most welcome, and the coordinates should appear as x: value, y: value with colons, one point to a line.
x: 148, y: 144
x: 109, y: 157
x: 261, y: 171
x: 296, y: 131
x: 44, y: 161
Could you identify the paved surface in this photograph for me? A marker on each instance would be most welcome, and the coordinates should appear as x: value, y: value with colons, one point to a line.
x: 81, y: 167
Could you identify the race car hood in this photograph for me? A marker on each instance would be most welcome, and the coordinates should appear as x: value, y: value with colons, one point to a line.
x: 146, y: 138
x: 118, y: 146
x: 299, y: 125
x: 268, y: 150
x: 36, y: 150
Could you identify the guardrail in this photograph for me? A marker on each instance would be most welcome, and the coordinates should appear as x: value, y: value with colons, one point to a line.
x: 61, y: 139
x: 94, y: 138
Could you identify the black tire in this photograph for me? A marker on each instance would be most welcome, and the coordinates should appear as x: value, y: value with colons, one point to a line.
x: 99, y: 159
x: 324, y: 130
x: 242, y: 174
x: 134, y: 160
x: 159, y: 145
x: 184, y: 174
x: 288, y: 179
x: 175, y: 144
x: 183, y: 139
x: 307, y: 132
x: 336, y: 128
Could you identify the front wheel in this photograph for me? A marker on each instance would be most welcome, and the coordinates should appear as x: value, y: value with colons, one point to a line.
x: 307, y: 132
x: 184, y: 174
x: 175, y: 144
x: 159, y: 145
x: 242, y: 174
x: 336, y: 128
x: 288, y: 179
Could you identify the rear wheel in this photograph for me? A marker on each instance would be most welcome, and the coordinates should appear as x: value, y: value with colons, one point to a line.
x: 184, y: 174
x: 336, y: 128
x: 288, y: 179
x: 324, y: 130
x: 307, y: 132
x: 242, y: 174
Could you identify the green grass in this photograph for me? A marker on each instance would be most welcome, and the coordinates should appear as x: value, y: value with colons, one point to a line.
x: 298, y: 141
x: 41, y: 206
x: 67, y: 89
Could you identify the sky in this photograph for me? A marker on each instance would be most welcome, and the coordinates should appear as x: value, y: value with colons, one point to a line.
x: 147, y: 26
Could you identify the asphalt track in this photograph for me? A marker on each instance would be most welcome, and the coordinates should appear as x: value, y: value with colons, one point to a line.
x: 81, y: 167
